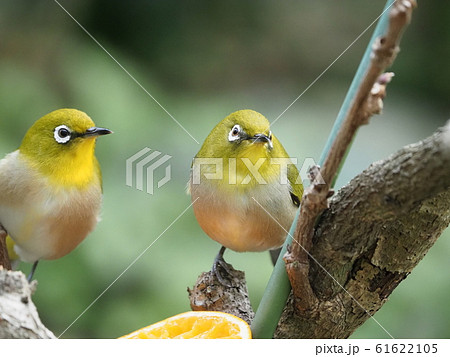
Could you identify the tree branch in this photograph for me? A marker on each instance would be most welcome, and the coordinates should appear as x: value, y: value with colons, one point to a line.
x: 208, y: 294
x: 375, y: 232
x: 18, y: 315
x: 367, y: 101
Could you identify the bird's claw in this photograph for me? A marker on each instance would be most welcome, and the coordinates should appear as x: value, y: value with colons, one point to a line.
x: 221, y: 265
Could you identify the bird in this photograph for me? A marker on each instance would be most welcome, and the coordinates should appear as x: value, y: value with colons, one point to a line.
x: 245, y: 189
x: 51, y: 187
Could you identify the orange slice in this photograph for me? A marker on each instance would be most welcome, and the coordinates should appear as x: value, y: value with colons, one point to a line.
x: 196, y: 324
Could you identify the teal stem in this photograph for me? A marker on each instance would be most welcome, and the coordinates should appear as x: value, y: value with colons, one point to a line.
x: 278, y: 288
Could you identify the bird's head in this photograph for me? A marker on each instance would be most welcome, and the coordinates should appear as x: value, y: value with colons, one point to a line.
x: 244, y: 133
x: 246, y: 146
x: 61, y: 145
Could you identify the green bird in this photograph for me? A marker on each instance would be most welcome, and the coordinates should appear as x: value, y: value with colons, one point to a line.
x: 50, y: 188
x: 244, y: 187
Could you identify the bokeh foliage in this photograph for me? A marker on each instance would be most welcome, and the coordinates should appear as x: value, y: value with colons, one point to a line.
x: 203, y: 60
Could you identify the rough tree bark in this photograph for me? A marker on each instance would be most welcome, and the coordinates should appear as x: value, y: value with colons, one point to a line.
x: 209, y: 294
x: 375, y: 232
x: 18, y: 315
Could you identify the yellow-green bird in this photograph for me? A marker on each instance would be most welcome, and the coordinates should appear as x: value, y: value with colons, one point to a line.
x: 51, y: 187
x: 244, y: 187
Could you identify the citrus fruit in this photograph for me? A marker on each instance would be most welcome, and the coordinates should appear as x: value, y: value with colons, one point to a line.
x: 195, y: 324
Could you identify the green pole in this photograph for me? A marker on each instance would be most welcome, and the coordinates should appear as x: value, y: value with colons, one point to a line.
x: 278, y: 288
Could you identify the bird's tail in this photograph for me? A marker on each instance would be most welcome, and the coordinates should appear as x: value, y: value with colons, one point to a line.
x: 274, y: 253
x: 13, y: 257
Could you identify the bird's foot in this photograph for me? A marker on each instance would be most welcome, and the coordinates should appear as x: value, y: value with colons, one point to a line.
x: 221, y: 269
x: 33, y: 269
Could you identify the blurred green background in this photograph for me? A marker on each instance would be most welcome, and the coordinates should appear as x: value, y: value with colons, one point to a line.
x: 203, y: 60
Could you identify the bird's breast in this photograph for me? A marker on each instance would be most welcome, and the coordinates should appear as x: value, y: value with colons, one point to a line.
x: 257, y: 219
x: 46, y: 221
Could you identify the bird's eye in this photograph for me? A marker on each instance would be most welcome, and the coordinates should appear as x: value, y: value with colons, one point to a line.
x: 270, y: 135
x: 233, y: 135
x: 62, y: 134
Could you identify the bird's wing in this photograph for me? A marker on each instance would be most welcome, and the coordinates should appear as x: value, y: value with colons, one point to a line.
x: 296, y: 189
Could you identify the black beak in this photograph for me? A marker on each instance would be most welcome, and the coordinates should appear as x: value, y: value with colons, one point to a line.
x: 94, y: 131
x: 262, y: 138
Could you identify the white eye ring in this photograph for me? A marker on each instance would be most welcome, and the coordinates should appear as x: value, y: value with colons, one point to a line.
x: 233, y: 135
x: 62, y: 134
